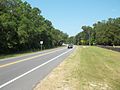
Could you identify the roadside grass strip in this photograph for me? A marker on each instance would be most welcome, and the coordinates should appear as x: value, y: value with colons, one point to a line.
x: 90, y: 68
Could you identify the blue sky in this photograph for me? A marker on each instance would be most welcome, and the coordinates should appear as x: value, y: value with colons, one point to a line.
x: 69, y: 15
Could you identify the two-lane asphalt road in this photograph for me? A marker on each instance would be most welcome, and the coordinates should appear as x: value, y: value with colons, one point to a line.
x: 24, y: 72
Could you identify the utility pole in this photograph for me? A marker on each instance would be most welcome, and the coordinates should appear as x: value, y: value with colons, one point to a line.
x: 89, y: 39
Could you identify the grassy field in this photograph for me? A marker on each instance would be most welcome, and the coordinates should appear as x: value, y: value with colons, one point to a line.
x: 88, y: 68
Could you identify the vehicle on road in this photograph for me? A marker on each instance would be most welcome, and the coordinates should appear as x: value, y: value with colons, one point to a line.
x: 70, y: 46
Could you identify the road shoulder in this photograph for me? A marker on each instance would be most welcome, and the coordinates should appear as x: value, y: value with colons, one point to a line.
x: 60, y: 77
x: 87, y: 68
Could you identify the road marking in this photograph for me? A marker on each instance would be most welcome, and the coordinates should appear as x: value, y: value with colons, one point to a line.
x: 26, y: 59
x: 32, y: 53
x: 27, y: 54
x: 5, y: 84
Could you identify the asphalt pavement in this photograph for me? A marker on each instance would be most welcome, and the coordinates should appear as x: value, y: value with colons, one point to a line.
x: 24, y: 72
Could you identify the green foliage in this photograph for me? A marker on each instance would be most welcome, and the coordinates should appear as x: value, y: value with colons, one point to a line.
x: 22, y: 27
x: 101, y: 33
x: 71, y: 40
x: 84, y: 37
x: 108, y: 32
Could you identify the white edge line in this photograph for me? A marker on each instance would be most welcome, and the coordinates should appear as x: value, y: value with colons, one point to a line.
x: 5, y: 84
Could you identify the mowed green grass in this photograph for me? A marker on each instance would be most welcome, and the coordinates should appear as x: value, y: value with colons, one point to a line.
x: 96, y: 69
x: 87, y: 68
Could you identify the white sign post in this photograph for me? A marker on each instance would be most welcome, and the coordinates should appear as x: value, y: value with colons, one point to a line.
x: 41, y: 43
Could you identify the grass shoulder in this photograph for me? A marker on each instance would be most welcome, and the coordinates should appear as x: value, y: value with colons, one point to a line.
x: 88, y: 68
x: 12, y: 55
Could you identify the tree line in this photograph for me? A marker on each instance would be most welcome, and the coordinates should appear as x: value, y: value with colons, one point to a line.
x: 105, y: 32
x: 23, y: 27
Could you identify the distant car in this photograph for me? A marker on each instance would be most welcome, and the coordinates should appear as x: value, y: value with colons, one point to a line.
x: 70, y: 46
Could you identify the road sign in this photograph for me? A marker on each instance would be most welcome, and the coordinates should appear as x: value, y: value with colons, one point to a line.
x: 41, y: 42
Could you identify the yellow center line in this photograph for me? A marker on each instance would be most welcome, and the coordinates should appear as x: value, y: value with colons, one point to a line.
x: 26, y: 59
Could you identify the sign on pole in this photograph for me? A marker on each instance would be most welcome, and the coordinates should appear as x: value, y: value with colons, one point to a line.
x: 41, y: 42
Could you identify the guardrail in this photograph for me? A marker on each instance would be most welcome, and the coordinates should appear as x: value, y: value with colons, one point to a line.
x: 114, y: 48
